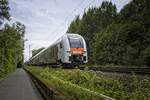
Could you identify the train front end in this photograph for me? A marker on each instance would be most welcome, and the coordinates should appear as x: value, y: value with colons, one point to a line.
x: 77, y: 50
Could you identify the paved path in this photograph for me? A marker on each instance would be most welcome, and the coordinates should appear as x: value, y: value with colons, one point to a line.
x: 18, y: 86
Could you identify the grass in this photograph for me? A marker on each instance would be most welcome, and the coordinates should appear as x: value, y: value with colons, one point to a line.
x: 2, y: 74
x: 70, y: 89
x: 5, y: 72
x: 87, y: 85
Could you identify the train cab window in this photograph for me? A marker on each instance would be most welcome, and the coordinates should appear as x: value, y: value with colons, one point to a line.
x: 76, y: 42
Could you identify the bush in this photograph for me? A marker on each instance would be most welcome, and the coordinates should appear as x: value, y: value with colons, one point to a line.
x: 72, y: 86
x: 86, y: 85
x: 146, y: 56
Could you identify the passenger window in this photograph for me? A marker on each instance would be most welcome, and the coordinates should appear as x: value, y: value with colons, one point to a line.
x: 60, y: 45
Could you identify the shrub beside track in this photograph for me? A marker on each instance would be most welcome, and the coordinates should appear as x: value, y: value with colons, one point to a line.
x: 65, y: 90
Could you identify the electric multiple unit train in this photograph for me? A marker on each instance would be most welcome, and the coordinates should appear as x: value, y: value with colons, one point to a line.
x: 70, y: 49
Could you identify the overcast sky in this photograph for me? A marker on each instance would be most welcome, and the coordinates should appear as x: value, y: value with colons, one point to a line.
x: 47, y: 20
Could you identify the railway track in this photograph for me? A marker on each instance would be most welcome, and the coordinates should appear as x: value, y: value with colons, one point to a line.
x: 128, y: 70
x: 136, y: 70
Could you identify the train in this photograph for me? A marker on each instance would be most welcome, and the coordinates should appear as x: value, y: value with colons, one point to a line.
x: 69, y: 50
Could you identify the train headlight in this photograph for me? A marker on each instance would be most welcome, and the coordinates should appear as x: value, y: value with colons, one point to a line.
x: 68, y: 51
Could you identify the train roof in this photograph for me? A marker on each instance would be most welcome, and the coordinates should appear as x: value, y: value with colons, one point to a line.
x: 57, y: 41
x: 74, y: 35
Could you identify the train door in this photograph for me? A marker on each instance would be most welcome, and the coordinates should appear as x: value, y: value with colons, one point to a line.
x: 60, y: 52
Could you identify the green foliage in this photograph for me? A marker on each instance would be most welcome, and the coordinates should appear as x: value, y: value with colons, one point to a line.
x: 118, y: 39
x: 75, y: 84
x: 4, y: 10
x: 121, y: 38
x: 125, y: 41
x: 83, y: 85
x: 146, y: 56
x: 11, y: 42
x: 11, y: 47
x: 93, y: 21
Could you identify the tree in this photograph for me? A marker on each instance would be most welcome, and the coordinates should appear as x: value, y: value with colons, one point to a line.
x: 127, y: 40
x: 4, y: 11
x: 92, y: 22
x: 74, y: 26
x: 11, y: 40
x: 121, y: 38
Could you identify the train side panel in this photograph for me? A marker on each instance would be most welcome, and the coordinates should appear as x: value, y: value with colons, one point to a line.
x: 49, y: 56
x: 65, y: 50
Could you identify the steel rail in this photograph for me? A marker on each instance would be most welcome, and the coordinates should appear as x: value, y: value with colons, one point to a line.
x: 130, y: 70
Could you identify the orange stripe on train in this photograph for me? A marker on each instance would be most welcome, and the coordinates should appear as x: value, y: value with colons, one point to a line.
x: 77, y: 50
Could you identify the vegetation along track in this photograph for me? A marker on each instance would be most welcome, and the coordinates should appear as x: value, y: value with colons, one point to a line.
x: 46, y: 92
x: 54, y: 88
x: 136, y: 70
x: 128, y: 70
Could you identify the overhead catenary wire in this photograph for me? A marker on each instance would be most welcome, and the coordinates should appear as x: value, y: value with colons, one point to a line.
x: 74, y: 10
x: 62, y: 24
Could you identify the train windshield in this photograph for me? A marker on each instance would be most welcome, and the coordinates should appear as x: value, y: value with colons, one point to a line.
x: 75, y: 42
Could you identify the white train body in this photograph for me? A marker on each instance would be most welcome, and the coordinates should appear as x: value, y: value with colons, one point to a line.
x: 69, y: 49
